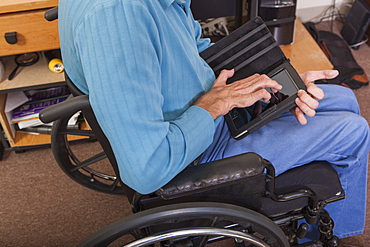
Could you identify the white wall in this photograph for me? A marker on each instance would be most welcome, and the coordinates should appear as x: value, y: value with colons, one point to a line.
x: 301, y: 4
x: 308, y: 10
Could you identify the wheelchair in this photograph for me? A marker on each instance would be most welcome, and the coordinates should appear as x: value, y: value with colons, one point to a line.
x: 237, y: 201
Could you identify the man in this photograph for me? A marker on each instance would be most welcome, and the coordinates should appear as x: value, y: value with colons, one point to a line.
x: 161, y: 106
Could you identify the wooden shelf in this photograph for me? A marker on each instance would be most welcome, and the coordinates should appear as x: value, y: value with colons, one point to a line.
x: 34, y: 34
x: 31, y: 77
x: 27, y: 140
x: 24, y: 139
x: 21, y: 139
x: 9, y: 6
x: 37, y: 76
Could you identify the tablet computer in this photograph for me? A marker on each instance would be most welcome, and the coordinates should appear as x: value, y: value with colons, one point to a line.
x: 248, y: 50
x: 244, y: 121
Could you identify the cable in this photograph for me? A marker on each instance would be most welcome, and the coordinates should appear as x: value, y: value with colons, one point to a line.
x: 333, y: 13
x: 332, y: 17
x: 328, y: 16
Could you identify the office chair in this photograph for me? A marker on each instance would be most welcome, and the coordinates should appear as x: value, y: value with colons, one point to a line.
x: 237, y: 200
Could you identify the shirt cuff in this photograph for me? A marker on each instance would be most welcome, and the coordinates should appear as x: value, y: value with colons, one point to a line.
x: 199, y: 127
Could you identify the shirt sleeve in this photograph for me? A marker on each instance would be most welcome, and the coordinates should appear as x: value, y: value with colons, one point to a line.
x: 126, y: 97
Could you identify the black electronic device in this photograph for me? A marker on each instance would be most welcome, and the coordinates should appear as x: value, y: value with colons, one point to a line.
x: 206, y: 9
x: 356, y: 24
x: 248, y: 50
x: 244, y: 121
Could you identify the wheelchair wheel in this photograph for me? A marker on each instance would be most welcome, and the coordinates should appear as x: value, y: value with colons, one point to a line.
x: 191, y: 224
x: 93, y: 170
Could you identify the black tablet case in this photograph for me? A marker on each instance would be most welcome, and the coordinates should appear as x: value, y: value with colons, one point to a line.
x: 248, y: 50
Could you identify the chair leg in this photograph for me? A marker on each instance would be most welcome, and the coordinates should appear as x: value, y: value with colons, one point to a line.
x: 327, y: 239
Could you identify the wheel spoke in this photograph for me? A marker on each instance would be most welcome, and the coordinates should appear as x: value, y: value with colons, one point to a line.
x: 96, y: 172
x: 198, y: 232
x: 204, y: 239
x: 181, y: 224
x: 115, y: 184
x: 90, y: 161
x: 78, y: 132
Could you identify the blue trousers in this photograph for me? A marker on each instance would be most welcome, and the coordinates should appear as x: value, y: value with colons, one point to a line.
x: 337, y: 134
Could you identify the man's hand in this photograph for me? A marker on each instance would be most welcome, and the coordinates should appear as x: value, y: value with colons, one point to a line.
x: 307, y: 102
x: 222, y: 97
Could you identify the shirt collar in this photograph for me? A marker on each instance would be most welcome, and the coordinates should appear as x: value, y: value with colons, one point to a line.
x: 166, y: 3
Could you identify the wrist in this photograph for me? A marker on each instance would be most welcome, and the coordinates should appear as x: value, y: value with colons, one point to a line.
x: 213, y: 111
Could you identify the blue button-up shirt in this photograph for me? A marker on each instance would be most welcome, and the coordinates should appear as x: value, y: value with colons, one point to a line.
x: 139, y: 62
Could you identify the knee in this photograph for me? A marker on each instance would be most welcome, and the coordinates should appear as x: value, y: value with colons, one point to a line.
x: 339, y: 98
x: 332, y: 90
x: 358, y: 129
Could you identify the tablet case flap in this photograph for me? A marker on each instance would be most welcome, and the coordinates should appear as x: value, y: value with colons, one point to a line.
x: 248, y: 50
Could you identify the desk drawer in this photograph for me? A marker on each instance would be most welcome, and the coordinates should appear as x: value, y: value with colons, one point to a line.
x: 34, y: 33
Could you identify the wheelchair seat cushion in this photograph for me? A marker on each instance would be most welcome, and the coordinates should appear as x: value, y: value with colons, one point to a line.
x: 319, y: 176
x: 208, y: 176
x: 248, y: 192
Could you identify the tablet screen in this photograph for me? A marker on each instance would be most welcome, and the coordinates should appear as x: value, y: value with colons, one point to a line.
x: 241, y: 116
x: 284, y: 79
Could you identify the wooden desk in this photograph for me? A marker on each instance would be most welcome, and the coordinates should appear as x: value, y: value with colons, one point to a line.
x: 304, y: 53
x: 26, y: 18
x: 9, y: 6
x: 34, y: 33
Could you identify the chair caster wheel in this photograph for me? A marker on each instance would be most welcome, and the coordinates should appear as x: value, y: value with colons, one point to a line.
x: 334, y: 242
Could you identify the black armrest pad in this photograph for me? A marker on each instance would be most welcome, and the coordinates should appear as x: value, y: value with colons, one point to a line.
x: 65, y: 109
x: 211, y: 175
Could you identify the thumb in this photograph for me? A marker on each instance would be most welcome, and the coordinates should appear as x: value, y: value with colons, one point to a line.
x: 223, y: 76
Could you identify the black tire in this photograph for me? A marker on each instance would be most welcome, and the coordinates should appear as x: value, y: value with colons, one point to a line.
x: 195, y: 216
x: 95, y: 171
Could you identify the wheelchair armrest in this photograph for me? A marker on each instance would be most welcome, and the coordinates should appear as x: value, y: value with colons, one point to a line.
x: 64, y: 109
x: 202, y: 177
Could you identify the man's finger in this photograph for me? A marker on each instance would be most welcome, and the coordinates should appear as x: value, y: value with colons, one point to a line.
x: 299, y: 115
x: 261, y: 94
x: 308, y: 99
x: 315, y: 91
x: 305, y: 108
x: 262, y: 82
x: 223, y: 76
